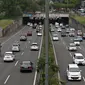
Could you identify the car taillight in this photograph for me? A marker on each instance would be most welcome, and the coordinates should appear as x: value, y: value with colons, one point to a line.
x: 29, y: 67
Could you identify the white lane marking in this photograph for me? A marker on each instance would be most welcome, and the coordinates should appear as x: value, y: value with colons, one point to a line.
x: 22, y: 53
x: 12, y: 36
x: 6, y: 79
x: 16, y: 63
x: 84, y: 79
x: 35, y: 76
x: 79, y: 47
x: 71, y: 54
x: 55, y: 59
x: 64, y: 43
x: 26, y: 45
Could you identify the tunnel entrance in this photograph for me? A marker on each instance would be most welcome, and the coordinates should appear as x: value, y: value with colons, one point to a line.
x: 40, y: 19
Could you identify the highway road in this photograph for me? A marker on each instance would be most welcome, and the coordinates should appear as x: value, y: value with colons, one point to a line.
x: 64, y: 57
x: 10, y: 72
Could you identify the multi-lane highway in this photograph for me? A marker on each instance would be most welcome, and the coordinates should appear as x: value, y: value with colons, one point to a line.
x: 10, y: 72
x: 64, y: 57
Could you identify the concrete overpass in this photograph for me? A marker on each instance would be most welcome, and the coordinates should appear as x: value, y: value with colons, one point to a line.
x: 37, y: 18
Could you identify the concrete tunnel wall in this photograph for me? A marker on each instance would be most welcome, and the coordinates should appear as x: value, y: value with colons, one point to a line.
x: 64, y: 20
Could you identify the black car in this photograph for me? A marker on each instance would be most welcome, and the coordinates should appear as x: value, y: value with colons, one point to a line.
x: 83, y: 36
x: 26, y: 66
x: 63, y: 34
x: 23, y: 38
x: 34, y: 26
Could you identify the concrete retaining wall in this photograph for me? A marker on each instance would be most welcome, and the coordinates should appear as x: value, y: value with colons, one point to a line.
x: 75, y: 24
x: 11, y: 28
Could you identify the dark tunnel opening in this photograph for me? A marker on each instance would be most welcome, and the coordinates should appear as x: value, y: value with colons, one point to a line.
x: 64, y: 20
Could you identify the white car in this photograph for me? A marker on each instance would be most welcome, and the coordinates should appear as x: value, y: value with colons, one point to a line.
x: 28, y: 23
x: 73, y: 72
x: 78, y: 58
x: 52, y: 30
x: 55, y: 37
x: 61, y: 24
x: 59, y: 29
x: 56, y: 24
x: 9, y: 56
x: 40, y: 26
x: 15, y: 47
x: 34, y: 46
x: 72, y: 29
x: 76, y: 42
x: 71, y: 34
x: 31, y: 25
x: 39, y: 34
x: 72, y: 47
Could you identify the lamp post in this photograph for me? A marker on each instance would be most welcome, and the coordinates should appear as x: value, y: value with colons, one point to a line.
x: 0, y: 48
x: 46, y: 39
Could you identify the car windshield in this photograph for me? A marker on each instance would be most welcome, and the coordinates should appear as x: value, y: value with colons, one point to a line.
x: 8, y: 54
x: 79, y: 57
x: 34, y: 43
x: 74, y: 69
x: 26, y: 63
x: 23, y: 36
x: 15, y: 44
x: 76, y: 40
x: 72, y: 44
x: 55, y: 35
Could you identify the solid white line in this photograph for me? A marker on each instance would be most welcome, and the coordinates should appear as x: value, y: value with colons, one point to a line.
x: 55, y: 58
x: 16, y: 63
x: 22, y: 53
x: 84, y: 79
x: 71, y: 54
x: 6, y: 79
x: 12, y: 36
x: 35, y: 77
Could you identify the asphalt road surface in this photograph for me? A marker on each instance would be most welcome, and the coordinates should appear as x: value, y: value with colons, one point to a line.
x: 10, y: 72
x: 64, y: 57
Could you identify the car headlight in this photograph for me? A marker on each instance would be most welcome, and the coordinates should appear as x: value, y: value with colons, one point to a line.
x: 84, y: 61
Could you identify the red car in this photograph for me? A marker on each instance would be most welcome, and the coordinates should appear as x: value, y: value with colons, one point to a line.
x: 29, y: 33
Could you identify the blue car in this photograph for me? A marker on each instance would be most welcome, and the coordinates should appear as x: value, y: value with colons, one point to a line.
x: 80, y: 38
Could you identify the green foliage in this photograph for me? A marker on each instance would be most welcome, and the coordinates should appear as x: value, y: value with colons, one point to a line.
x: 17, y: 7
x: 53, y: 68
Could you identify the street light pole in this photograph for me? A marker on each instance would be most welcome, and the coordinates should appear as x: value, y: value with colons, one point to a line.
x: 46, y: 39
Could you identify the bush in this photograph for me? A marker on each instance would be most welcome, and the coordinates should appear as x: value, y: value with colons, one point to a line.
x: 53, y: 68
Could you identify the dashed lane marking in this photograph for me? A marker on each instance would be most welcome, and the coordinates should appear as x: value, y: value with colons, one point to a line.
x: 71, y: 54
x: 16, y: 63
x: 22, y: 53
x: 7, y: 79
x: 84, y: 79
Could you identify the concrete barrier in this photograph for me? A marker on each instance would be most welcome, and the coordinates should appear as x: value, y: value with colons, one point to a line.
x: 11, y: 28
x: 75, y: 24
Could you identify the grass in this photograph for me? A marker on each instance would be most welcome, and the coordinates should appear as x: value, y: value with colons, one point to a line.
x: 80, y: 19
x: 5, y: 22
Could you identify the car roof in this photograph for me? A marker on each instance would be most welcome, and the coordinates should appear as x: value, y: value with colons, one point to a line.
x: 73, y: 66
x: 72, y: 43
x: 15, y: 43
x: 9, y: 52
x: 26, y: 61
x: 78, y: 54
x: 34, y: 43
